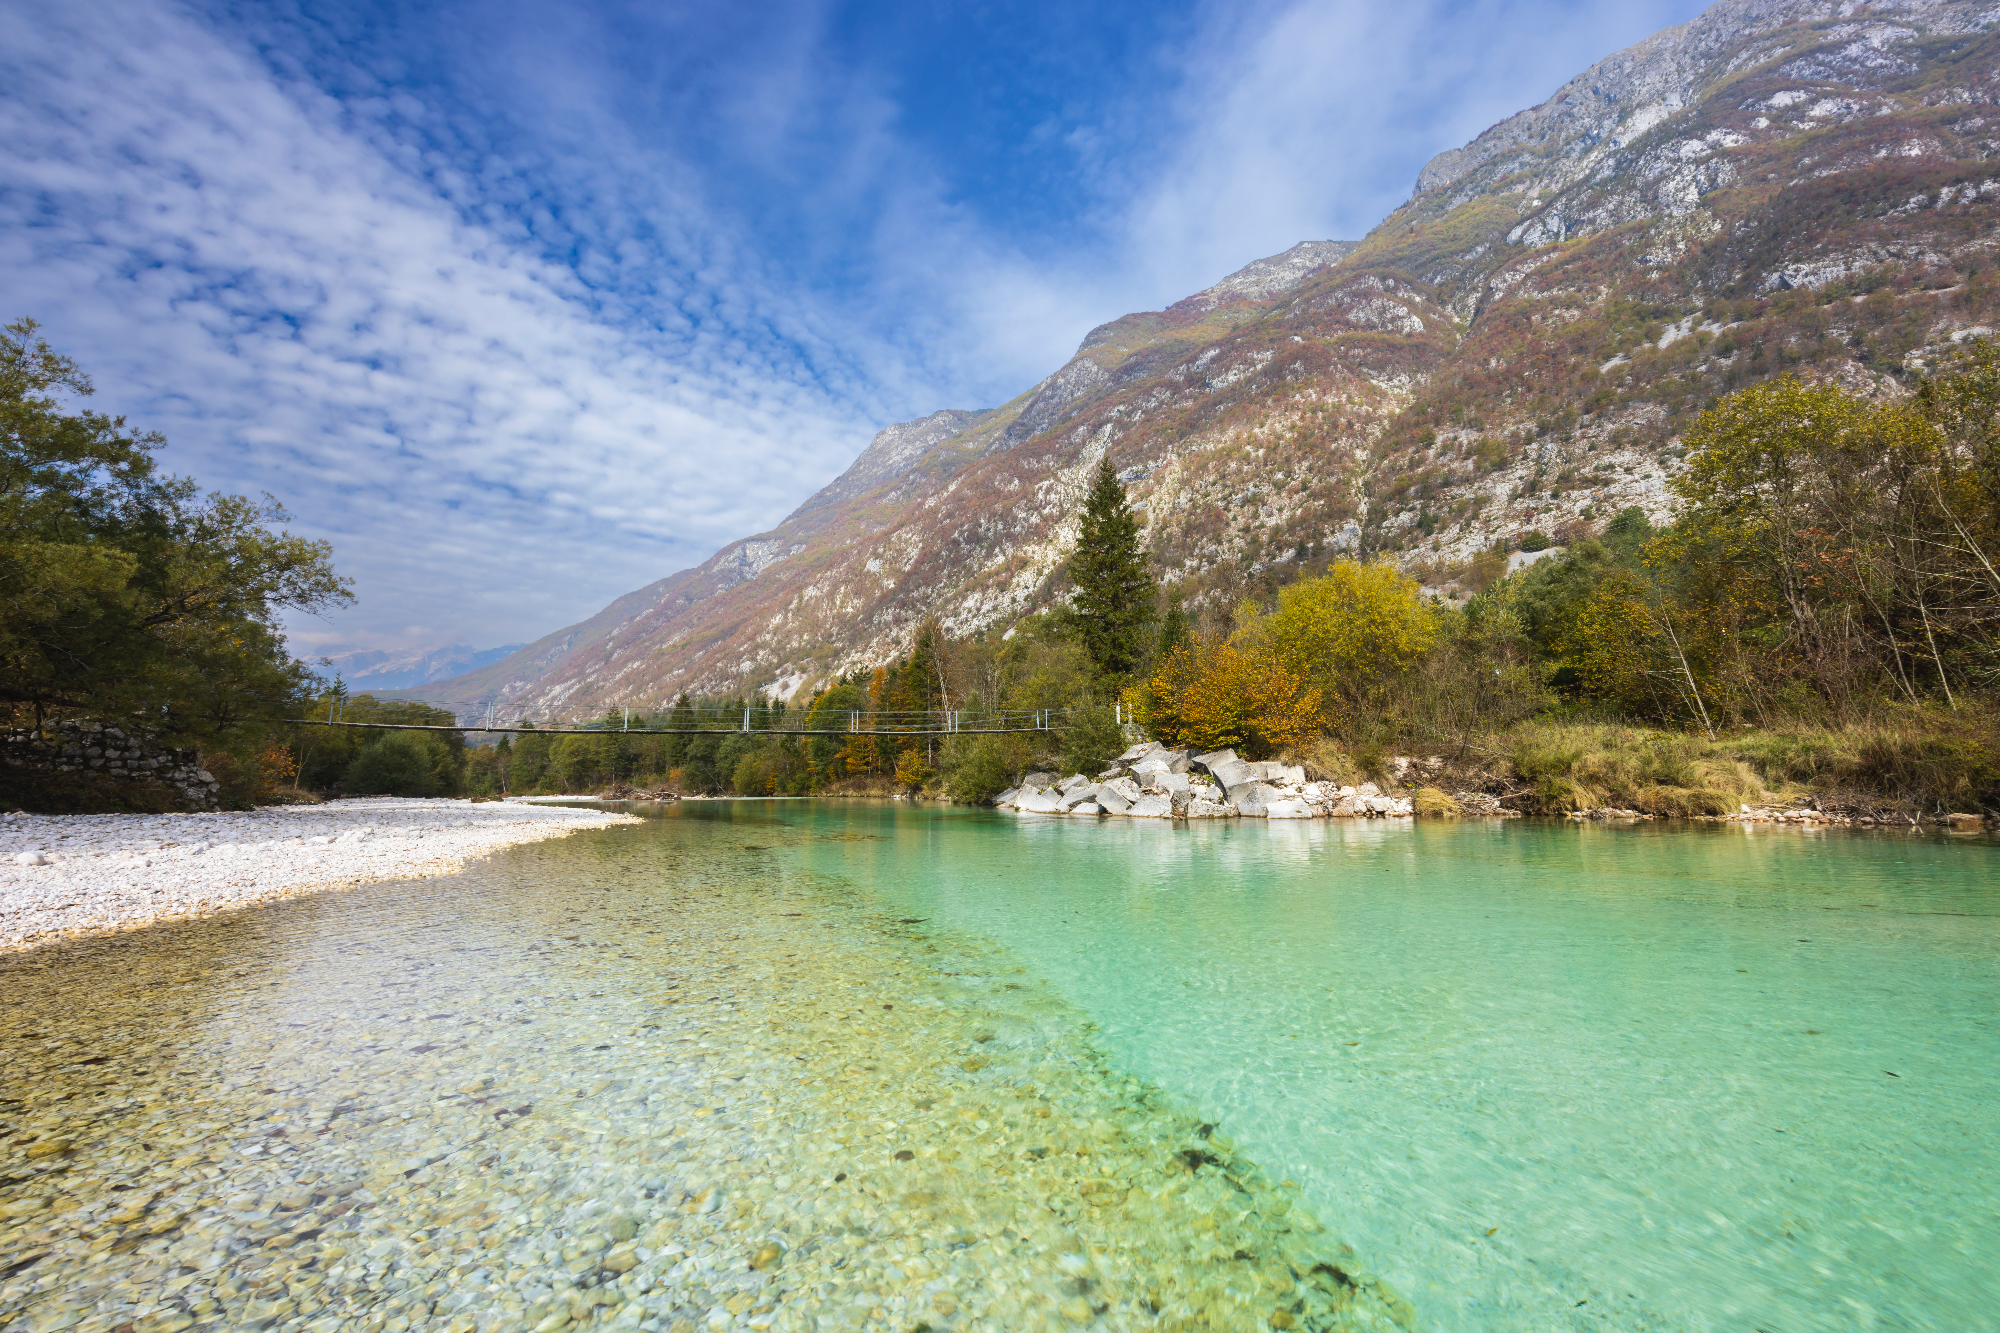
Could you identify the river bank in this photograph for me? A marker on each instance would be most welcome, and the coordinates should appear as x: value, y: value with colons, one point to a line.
x: 66, y: 876
x: 572, y: 1089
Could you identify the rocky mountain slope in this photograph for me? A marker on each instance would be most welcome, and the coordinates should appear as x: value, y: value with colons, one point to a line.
x: 1779, y: 185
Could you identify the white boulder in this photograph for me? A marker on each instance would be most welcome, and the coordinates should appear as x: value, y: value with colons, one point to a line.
x: 30, y: 859
x: 1288, y: 810
x: 1080, y: 795
x: 1152, y: 807
x: 1112, y: 801
x: 1125, y: 787
x: 1087, y: 808
x: 1235, y: 773
x: 1038, y: 803
x: 1203, y: 808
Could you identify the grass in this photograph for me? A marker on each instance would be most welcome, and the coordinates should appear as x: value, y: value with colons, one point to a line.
x: 1431, y: 803
x: 1915, y: 760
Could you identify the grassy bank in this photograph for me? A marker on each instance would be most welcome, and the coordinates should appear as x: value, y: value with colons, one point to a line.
x: 1916, y: 763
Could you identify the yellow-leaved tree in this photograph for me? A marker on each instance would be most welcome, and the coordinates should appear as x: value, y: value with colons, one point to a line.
x: 1351, y: 631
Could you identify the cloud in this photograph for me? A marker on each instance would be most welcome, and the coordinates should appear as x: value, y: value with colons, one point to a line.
x: 1309, y: 120
x: 243, y: 266
x: 524, y: 307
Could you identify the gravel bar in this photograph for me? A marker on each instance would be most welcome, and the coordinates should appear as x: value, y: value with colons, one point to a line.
x: 66, y: 876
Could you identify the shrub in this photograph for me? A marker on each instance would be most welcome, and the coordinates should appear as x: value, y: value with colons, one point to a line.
x: 975, y: 769
x: 399, y: 764
x: 1536, y: 540
x: 1091, y: 740
x: 1211, y: 696
x: 1324, y: 761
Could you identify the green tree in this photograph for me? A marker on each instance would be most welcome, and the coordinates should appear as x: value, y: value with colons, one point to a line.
x: 529, y: 765
x: 126, y: 594
x: 1115, y: 593
x: 1175, y: 629
x: 1091, y: 739
x: 832, y: 711
x: 681, y: 719
x: 399, y: 763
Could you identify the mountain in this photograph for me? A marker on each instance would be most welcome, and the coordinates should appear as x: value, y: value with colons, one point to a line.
x: 374, y: 670
x: 1777, y: 185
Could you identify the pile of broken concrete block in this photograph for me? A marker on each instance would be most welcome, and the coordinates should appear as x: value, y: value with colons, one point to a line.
x: 1150, y: 781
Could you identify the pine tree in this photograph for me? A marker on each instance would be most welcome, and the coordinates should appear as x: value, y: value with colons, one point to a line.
x: 1115, y: 592
x: 1174, y: 628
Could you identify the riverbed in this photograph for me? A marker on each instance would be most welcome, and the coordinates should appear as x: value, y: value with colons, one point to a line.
x: 817, y: 1065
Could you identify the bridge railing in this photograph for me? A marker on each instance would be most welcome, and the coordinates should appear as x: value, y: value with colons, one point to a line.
x: 645, y: 719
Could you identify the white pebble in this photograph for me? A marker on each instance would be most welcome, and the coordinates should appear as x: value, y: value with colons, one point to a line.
x: 117, y: 871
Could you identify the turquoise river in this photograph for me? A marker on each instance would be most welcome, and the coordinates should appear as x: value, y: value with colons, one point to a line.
x: 817, y: 1065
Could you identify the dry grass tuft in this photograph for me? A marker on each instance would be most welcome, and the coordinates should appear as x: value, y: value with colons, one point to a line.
x: 1430, y: 803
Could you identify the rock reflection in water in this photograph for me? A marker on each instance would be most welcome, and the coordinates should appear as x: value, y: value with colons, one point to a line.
x: 640, y: 1079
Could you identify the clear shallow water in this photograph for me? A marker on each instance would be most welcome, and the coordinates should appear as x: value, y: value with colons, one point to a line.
x: 1544, y: 1076
x: 654, y: 1079
x: 1536, y: 1077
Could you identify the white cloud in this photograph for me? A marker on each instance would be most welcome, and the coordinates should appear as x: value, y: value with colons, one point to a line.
x: 522, y: 353
x: 1309, y: 120
x: 242, y: 267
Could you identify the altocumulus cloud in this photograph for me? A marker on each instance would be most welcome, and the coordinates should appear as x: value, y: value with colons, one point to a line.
x: 524, y: 307
x: 250, y: 273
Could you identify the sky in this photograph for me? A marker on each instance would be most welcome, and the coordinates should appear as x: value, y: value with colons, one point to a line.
x: 524, y: 306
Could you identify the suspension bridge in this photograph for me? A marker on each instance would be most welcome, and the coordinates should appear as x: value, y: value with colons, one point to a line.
x: 652, y: 720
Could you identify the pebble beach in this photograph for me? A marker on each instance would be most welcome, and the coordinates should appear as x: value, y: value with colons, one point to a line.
x: 636, y: 1084
x: 66, y: 876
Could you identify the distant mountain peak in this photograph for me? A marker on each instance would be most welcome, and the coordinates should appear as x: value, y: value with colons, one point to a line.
x: 1261, y: 279
x: 375, y: 669
x: 894, y: 451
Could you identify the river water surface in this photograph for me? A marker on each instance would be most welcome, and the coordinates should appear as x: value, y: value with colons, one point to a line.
x: 823, y: 1065
x: 1548, y: 1075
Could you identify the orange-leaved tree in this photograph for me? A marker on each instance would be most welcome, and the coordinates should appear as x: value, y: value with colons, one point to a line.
x: 1211, y: 695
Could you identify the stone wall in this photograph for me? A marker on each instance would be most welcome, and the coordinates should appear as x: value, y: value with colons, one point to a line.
x: 72, y: 746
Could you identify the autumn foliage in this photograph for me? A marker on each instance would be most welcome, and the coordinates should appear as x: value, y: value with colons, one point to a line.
x: 1211, y: 696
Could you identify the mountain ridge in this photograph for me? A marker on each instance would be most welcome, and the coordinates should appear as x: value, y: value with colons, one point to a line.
x: 1776, y: 185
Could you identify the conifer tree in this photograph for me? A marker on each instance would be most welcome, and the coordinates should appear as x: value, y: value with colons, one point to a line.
x: 1115, y: 592
x: 1174, y: 627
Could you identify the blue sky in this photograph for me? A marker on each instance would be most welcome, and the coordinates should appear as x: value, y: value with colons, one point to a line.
x: 523, y: 306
